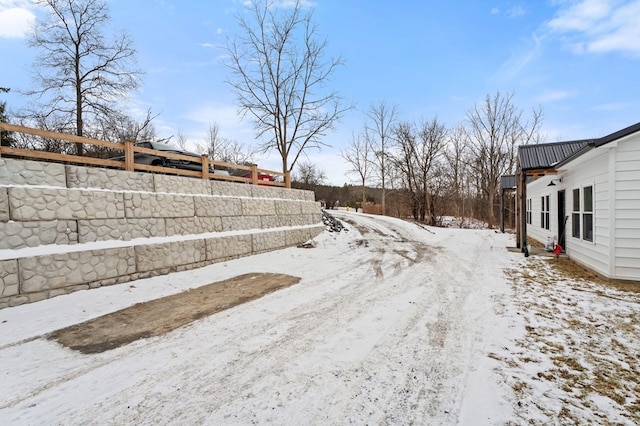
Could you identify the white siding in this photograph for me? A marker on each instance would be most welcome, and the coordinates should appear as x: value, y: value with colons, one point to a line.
x: 627, y: 205
x: 535, y: 191
x: 593, y: 172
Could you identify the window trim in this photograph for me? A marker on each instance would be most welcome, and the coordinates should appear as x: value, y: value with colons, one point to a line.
x: 587, y: 214
x: 576, y: 230
x: 544, y: 212
x: 582, y: 220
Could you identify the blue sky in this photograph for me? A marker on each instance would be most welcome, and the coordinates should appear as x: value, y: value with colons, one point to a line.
x: 577, y: 59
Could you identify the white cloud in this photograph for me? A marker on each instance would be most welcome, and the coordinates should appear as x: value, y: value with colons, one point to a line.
x: 292, y: 3
x: 512, y: 12
x: 15, y: 18
x: 614, y: 106
x: 282, y: 3
x: 600, y: 26
x: 553, y: 95
x: 520, y: 59
x: 231, y: 125
x: 516, y: 11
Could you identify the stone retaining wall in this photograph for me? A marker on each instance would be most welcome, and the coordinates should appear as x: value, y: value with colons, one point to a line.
x: 52, y: 217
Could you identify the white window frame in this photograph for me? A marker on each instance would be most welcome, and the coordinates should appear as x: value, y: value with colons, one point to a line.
x: 582, y: 214
x: 544, y: 211
x: 587, y: 234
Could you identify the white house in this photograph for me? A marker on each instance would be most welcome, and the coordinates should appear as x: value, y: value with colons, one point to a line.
x: 585, y: 195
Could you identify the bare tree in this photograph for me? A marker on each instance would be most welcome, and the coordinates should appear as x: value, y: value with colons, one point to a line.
x: 309, y: 174
x: 181, y: 140
x: 127, y: 128
x: 81, y: 74
x: 431, y: 143
x: 456, y: 164
x: 280, y: 77
x: 404, y: 164
x: 220, y: 148
x: 495, y: 129
x: 6, y: 138
x: 214, y: 142
x: 381, y: 119
x: 358, y: 156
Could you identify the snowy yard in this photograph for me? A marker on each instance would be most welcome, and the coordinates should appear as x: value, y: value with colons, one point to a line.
x: 391, y: 323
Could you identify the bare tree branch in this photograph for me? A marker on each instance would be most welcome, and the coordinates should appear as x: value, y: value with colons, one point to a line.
x: 80, y: 76
x: 381, y: 119
x: 279, y: 78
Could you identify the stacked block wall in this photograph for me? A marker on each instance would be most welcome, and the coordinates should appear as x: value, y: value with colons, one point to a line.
x: 65, y: 228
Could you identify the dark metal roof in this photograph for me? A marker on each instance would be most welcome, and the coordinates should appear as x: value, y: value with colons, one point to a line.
x: 602, y: 141
x: 547, y: 155
x: 508, y: 182
x: 619, y: 134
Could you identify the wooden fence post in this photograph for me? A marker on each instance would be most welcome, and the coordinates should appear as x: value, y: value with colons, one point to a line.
x: 287, y: 179
x: 128, y: 156
x: 205, y: 166
x: 254, y: 174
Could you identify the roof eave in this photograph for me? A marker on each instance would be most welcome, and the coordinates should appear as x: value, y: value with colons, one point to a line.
x: 618, y: 135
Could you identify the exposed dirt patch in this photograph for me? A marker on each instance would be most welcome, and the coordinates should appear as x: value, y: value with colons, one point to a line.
x: 163, y: 315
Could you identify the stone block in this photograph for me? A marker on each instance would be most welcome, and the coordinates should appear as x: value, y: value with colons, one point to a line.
x: 120, y: 229
x: 310, y: 208
x: 258, y: 207
x: 274, y: 221
x: 4, y: 205
x: 28, y: 204
x: 217, y: 206
x: 298, y: 194
x: 17, y: 301
x: 306, y: 219
x: 237, y: 223
x: 293, y: 237
x: 299, y: 220
x: 225, y: 247
x: 234, y: 189
x: 265, y: 241
x: 9, y: 283
x: 115, y: 180
x: 288, y: 207
x: 47, y: 272
x: 26, y: 172
x: 151, y: 257
x: 181, y: 185
x: 262, y: 191
x: 15, y: 235
x: 193, y: 225
x: 144, y: 205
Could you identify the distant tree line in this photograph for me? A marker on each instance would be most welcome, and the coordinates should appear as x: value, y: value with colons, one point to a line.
x: 426, y: 171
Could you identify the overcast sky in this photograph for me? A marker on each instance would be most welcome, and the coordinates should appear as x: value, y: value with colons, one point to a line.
x: 579, y: 60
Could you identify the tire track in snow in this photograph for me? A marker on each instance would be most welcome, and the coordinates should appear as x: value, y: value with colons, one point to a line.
x: 343, y: 347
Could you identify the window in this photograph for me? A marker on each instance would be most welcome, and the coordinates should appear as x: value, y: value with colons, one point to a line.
x: 587, y: 213
x: 582, y: 208
x: 544, y: 212
x: 529, y: 213
x: 575, y: 215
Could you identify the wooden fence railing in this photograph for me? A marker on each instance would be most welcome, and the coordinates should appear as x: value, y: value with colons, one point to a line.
x: 129, y: 164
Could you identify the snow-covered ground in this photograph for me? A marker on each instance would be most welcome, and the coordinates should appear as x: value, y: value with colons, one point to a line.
x: 392, y: 323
